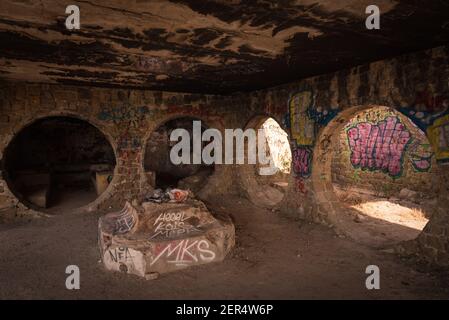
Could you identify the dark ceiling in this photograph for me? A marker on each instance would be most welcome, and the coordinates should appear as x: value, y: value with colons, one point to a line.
x: 215, y: 47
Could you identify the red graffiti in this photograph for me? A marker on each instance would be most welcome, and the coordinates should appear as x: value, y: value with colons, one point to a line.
x: 300, y: 186
x: 302, y: 158
x: 379, y: 146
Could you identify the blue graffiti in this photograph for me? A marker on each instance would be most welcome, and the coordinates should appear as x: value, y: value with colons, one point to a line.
x: 322, y: 117
x: 422, y: 119
x: 123, y: 113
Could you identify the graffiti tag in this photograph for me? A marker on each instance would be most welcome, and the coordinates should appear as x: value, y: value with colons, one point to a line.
x: 379, y: 146
x: 184, y: 252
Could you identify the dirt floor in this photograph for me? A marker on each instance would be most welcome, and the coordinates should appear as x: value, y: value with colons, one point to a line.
x: 275, y: 258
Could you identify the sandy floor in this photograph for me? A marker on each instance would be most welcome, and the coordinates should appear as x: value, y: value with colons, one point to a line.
x: 275, y: 258
x: 394, y: 213
x: 67, y: 199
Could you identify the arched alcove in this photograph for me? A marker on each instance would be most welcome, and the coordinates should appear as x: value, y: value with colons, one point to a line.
x: 373, y: 175
x: 159, y: 168
x: 59, y: 163
x: 267, y: 190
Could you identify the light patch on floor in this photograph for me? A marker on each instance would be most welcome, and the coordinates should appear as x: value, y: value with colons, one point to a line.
x: 393, y: 213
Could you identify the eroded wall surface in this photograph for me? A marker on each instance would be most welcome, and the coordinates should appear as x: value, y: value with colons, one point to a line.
x: 310, y: 110
x: 314, y: 111
x: 125, y: 117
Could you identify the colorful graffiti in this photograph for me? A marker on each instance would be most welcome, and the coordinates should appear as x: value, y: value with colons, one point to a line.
x: 380, y: 146
x: 427, y: 108
x: 302, y: 161
x: 301, y: 126
x: 129, y: 114
x: 127, y: 142
x: 322, y: 116
x: 438, y: 135
x: 420, y: 154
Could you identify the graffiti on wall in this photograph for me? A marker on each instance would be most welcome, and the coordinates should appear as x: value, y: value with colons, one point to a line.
x: 322, y: 116
x: 303, y: 119
x: 438, y: 135
x: 302, y: 128
x: 427, y: 108
x: 429, y: 112
x: 126, y: 113
x: 302, y: 161
x: 380, y: 146
x: 420, y: 154
x: 127, y: 141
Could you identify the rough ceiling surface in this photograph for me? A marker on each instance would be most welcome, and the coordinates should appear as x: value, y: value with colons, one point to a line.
x: 204, y: 46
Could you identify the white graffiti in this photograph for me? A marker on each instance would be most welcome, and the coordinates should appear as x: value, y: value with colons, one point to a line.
x: 185, y: 252
x: 126, y: 219
x: 120, y: 255
x: 125, y: 260
x: 171, y: 225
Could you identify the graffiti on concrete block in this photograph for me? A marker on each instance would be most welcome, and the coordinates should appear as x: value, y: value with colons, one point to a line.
x: 126, y: 220
x: 379, y: 146
x: 301, y: 126
x: 439, y: 137
x: 172, y: 225
x: 125, y: 260
x: 302, y: 161
x: 120, y: 254
x: 183, y: 252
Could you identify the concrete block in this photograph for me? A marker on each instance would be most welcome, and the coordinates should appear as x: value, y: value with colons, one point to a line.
x: 159, y: 238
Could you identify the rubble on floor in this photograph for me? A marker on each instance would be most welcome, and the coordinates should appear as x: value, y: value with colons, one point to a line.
x: 168, y: 233
x: 169, y: 195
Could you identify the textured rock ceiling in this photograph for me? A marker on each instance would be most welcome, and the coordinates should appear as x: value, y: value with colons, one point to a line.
x: 207, y: 46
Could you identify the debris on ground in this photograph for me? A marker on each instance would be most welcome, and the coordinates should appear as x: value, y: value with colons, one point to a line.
x: 169, y: 195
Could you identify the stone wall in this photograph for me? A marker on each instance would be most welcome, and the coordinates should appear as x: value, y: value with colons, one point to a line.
x: 315, y: 110
x: 125, y: 117
x: 312, y: 111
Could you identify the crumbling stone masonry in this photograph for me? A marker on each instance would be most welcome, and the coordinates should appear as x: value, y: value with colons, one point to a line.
x: 312, y: 111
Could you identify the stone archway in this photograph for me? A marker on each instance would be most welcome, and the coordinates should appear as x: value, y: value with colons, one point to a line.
x: 160, y: 171
x: 267, y: 190
x: 59, y: 163
x: 366, y: 164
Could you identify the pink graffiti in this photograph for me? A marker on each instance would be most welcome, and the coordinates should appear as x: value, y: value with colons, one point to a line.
x: 302, y: 157
x: 379, y: 146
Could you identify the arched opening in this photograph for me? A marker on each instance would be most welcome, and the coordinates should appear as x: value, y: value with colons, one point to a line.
x: 268, y: 190
x: 159, y: 168
x: 380, y: 169
x: 59, y: 163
